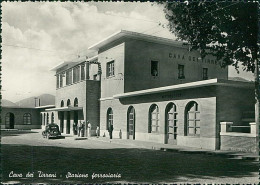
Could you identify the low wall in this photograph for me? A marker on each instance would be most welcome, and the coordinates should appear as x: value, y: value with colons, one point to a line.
x: 244, y: 142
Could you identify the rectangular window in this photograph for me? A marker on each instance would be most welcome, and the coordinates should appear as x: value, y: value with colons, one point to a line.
x: 205, y: 73
x: 76, y: 74
x: 154, y: 68
x: 67, y: 77
x: 61, y: 79
x: 181, y: 72
x: 82, y: 72
x: 57, y: 82
x: 111, y: 68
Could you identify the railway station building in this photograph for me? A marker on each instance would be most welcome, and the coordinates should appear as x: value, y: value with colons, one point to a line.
x: 155, y: 89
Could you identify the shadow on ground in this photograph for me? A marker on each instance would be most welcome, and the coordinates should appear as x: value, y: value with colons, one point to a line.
x: 134, y: 165
x: 15, y: 133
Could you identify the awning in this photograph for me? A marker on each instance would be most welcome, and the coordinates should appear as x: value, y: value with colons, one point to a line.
x: 203, y: 83
x: 60, y: 109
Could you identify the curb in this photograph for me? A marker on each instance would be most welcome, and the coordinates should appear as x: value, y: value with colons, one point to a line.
x: 226, y: 154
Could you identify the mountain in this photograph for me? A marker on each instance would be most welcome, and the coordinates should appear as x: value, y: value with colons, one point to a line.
x: 238, y: 79
x: 45, y: 99
x: 7, y: 103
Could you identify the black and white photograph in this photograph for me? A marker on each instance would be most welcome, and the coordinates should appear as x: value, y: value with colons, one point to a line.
x: 129, y: 92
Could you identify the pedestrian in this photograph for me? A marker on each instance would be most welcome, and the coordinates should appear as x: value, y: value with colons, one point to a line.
x: 82, y: 129
x: 97, y: 131
x: 120, y: 134
x: 89, y: 129
x: 110, y: 130
x: 74, y: 128
x: 79, y: 128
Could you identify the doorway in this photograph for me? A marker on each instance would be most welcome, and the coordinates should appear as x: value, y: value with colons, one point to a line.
x: 61, y: 122
x: 9, y: 120
x: 68, y: 123
x: 76, y: 119
x: 131, y: 123
x: 171, y: 124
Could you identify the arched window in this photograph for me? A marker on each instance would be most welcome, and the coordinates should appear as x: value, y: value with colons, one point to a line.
x: 153, y: 119
x: 62, y: 103
x: 171, y: 123
x: 192, y: 115
x: 109, y: 117
x: 68, y: 102
x: 76, y: 103
x: 27, y: 119
x: 52, y: 117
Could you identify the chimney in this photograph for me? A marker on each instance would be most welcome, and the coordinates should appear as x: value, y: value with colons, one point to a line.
x: 39, y: 102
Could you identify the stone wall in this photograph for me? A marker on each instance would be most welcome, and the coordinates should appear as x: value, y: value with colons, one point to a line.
x: 239, y: 142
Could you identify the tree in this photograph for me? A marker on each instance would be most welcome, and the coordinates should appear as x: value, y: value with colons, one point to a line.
x: 226, y: 30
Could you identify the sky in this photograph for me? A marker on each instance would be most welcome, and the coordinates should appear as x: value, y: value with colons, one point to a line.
x: 37, y: 36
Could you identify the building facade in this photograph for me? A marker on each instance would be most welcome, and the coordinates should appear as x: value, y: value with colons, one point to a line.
x: 20, y: 118
x: 77, y: 95
x: 155, y: 89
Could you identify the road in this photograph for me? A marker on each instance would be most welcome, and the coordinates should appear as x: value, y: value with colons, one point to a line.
x: 29, y: 158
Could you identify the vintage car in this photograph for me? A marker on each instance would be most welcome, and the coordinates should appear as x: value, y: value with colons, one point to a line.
x: 51, y: 131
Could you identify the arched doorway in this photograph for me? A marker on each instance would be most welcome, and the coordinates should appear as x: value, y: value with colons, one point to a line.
x: 192, y: 119
x: 131, y: 123
x: 68, y: 123
x: 154, y: 116
x: 109, y: 117
x: 9, y: 120
x: 171, y: 124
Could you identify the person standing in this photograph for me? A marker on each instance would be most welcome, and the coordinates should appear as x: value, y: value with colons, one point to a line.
x: 74, y: 128
x: 97, y: 131
x: 89, y: 129
x: 79, y: 128
x: 110, y: 130
x: 82, y: 129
